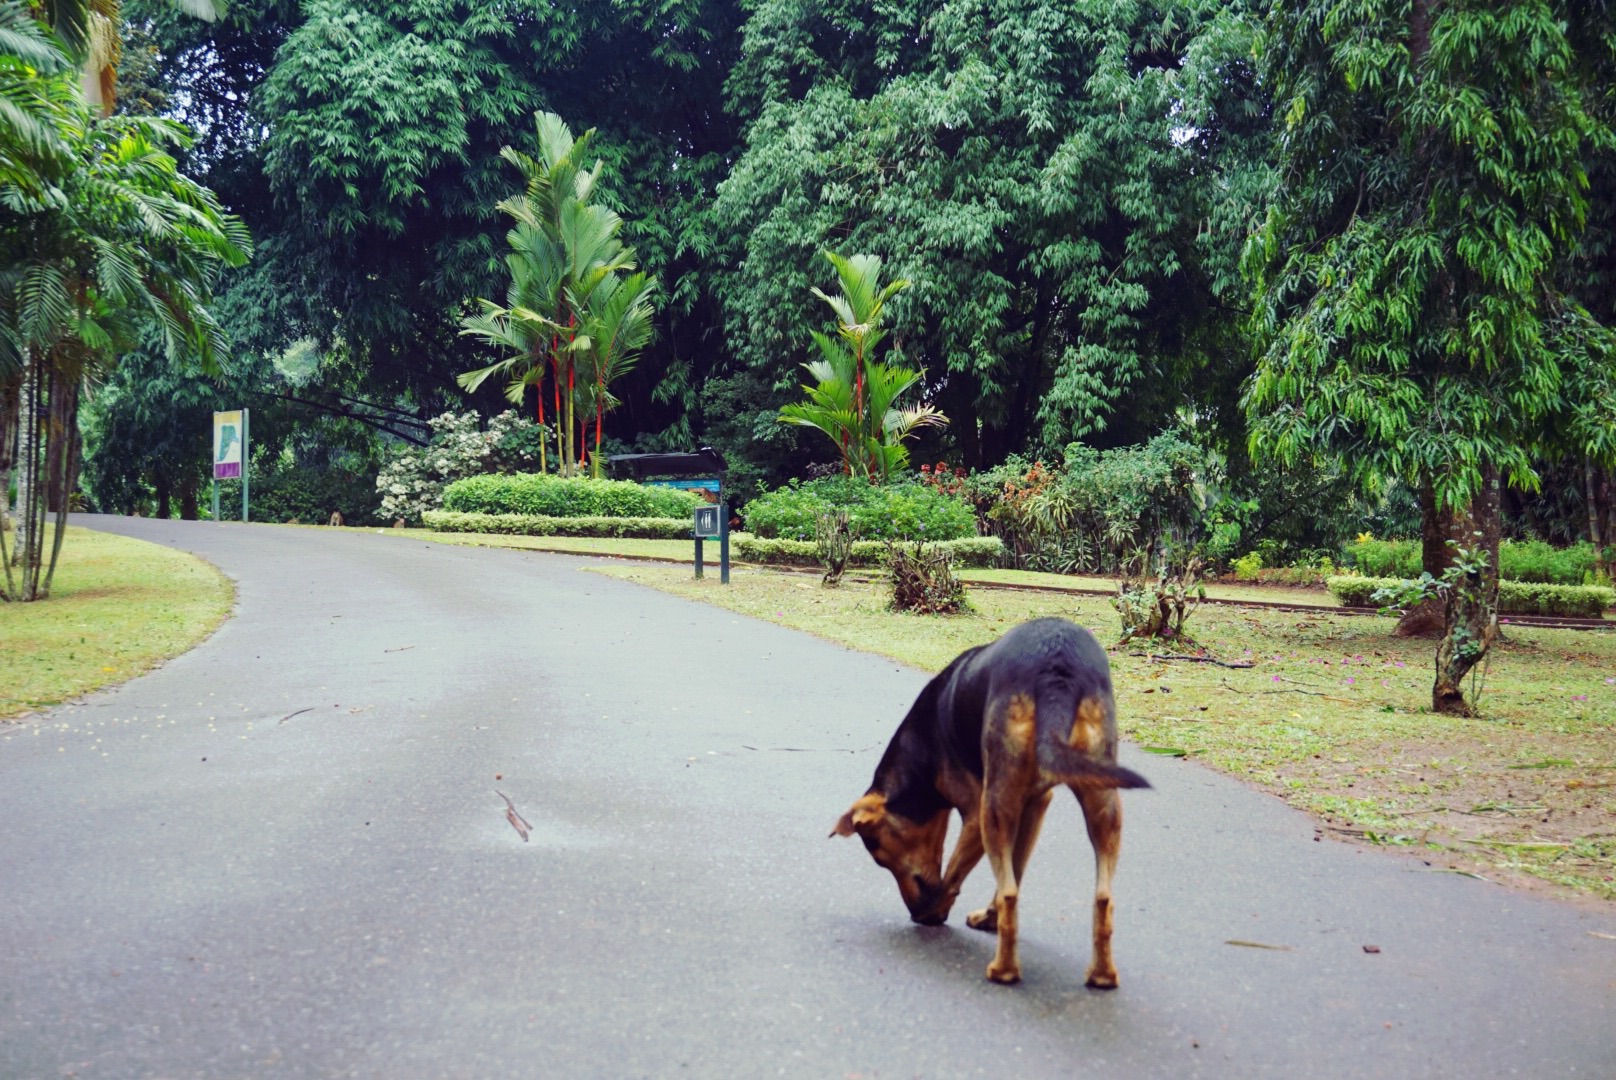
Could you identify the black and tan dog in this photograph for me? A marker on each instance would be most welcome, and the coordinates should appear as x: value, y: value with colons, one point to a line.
x: 991, y: 736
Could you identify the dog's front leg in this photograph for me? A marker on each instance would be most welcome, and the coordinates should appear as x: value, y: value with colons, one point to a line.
x: 967, y: 853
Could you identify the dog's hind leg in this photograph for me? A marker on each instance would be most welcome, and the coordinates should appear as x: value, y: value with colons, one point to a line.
x: 1102, y: 809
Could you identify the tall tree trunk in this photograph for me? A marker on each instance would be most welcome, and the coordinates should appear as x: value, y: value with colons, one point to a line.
x: 64, y: 422
x: 1438, y: 525
x: 1471, y: 615
x: 10, y: 415
x: 164, y: 490
x: 1590, y: 489
x: 10, y: 425
x: 188, y: 487
x: 30, y: 492
x: 543, y: 464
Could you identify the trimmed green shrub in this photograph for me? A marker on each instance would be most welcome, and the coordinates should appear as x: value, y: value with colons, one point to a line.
x: 975, y: 551
x: 642, y: 528
x: 1514, y: 597
x: 1518, y: 560
x: 1534, y: 560
x: 905, y: 511
x: 566, y: 497
x: 1386, y: 558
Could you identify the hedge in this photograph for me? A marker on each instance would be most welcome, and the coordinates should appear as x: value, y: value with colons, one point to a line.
x: 539, y: 494
x: 970, y: 551
x: 1518, y: 560
x: 900, y: 511
x: 642, y: 528
x: 1514, y: 597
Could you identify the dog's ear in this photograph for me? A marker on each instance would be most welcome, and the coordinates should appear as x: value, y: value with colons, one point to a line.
x: 867, y: 811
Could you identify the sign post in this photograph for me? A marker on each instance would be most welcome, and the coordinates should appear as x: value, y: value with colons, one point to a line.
x: 702, y: 472
x: 230, y: 454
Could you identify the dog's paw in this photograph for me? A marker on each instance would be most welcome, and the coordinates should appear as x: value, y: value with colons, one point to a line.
x: 1101, y: 980
x: 1004, y: 974
x: 986, y: 919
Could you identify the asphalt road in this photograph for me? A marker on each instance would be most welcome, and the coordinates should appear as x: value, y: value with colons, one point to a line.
x: 283, y: 855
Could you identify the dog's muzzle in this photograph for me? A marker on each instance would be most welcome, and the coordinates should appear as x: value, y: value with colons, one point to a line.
x: 928, y: 908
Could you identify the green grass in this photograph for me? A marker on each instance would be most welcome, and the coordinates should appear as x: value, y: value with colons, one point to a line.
x: 672, y: 550
x: 1333, y: 715
x: 117, y: 608
x: 1268, y: 594
x: 681, y: 551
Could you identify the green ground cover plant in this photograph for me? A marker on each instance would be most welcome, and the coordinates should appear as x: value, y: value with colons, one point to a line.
x: 544, y: 495
x: 901, y: 511
x: 1333, y: 715
x: 119, y: 607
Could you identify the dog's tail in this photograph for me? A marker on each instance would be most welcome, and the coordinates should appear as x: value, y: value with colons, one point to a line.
x: 1069, y: 764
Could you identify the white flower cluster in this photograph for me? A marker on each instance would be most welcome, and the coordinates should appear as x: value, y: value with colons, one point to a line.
x: 414, y: 481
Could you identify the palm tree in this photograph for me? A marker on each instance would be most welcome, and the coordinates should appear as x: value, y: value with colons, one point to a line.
x: 565, y: 257
x: 129, y: 243
x: 90, y: 30
x: 616, y: 327
x: 854, y: 399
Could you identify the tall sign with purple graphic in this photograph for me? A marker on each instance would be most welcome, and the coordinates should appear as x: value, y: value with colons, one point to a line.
x: 230, y: 455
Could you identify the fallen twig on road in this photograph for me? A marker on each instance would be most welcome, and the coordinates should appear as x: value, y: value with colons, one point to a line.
x: 811, y: 749
x: 299, y: 712
x: 1196, y: 659
x: 1260, y: 945
x: 518, y: 822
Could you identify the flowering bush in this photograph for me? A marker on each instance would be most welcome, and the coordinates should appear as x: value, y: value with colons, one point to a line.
x: 413, y: 482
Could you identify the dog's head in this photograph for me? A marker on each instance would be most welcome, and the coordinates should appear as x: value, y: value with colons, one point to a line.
x: 911, y: 851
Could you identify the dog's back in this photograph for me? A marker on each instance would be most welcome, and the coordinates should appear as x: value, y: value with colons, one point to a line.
x: 1040, y: 698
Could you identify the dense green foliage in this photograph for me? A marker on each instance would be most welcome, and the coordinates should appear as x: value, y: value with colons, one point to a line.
x: 1101, y: 511
x: 1435, y: 162
x: 553, y: 496
x: 874, y: 512
x: 1422, y: 191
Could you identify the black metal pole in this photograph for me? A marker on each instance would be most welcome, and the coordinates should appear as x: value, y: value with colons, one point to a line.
x: 723, y: 542
x: 698, y: 556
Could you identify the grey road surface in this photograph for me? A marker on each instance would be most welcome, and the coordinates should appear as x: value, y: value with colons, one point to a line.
x: 283, y: 855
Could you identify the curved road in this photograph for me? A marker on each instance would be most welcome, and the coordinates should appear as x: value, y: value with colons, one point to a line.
x: 283, y: 855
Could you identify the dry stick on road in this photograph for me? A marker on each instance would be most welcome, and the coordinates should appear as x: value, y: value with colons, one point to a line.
x: 518, y: 822
x: 1197, y: 659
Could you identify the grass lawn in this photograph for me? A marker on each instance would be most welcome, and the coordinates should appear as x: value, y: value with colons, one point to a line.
x: 672, y: 550
x: 117, y: 608
x: 1332, y: 716
x: 681, y: 551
